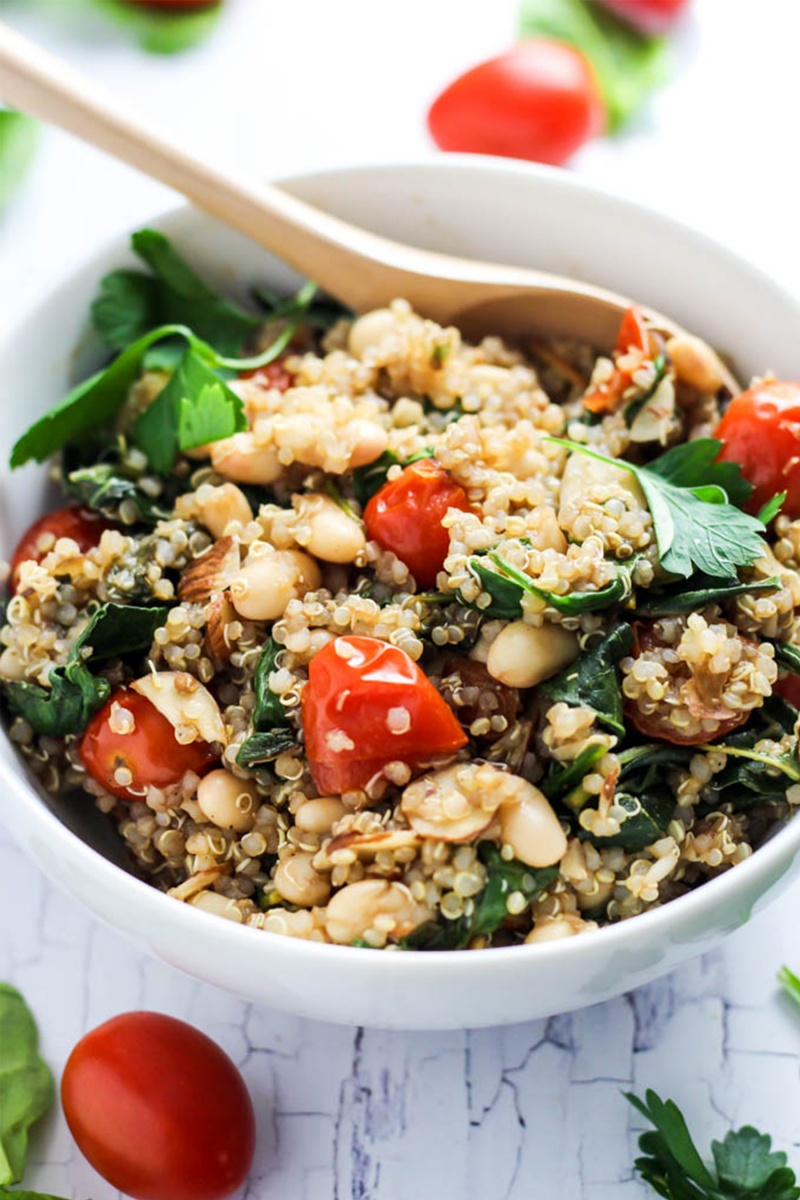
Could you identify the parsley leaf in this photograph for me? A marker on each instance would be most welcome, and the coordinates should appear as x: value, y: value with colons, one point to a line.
x: 130, y: 303
x: 790, y: 984
x: 687, y: 492
x: 746, y: 1166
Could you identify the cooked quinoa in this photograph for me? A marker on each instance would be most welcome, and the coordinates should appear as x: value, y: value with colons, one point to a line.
x: 493, y: 791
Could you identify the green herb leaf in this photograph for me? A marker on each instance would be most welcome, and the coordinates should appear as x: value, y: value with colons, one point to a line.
x: 264, y: 747
x: 592, y: 682
x: 563, y: 780
x: 647, y: 817
x: 751, y: 776
x: 269, y: 710
x: 126, y: 308
x: 26, y: 1085
x: 769, y: 511
x: 438, y: 935
x: 103, y: 488
x: 322, y: 313
x: 672, y: 1142
x: 628, y: 65
x: 507, y: 585
x: 160, y: 31
x: 503, y: 878
x: 19, y: 138
x: 688, y: 493
x: 788, y: 657
x: 75, y: 694
x: 705, y: 590
x: 790, y: 984
x: 744, y: 1159
x: 369, y: 479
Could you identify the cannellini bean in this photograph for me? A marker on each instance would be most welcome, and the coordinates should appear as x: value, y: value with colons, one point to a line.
x: 695, y: 363
x: 459, y: 802
x: 523, y: 655
x: 368, y: 441
x: 359, y: 906
x: 228, y: 802
x: 265, y: 585
x: 220, y: 506
x: 553, y: 929
x: 301, y: 924
x: 334, y: 537
x: 298, y: 882
x: 12, y: 666
x: 185, y: 702
x: 319, y: 815
x: 220, y: 906
x: 532, y: 829
x: 369, y: 332
x: 583, y: 473
x: 240, y: 457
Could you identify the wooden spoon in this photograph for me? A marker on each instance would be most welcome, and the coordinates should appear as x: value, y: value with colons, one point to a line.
x: 359, y: 268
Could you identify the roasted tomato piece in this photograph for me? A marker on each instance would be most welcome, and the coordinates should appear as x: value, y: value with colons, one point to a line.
x: 478, y: 699
x: 367, y: 704
x: 273, y: 375
x: 761, y: 432
x: 128, y: 746
x: 405, y: 516
x: 80, y: 524
x: 634, y: 346
x: 789, y: 688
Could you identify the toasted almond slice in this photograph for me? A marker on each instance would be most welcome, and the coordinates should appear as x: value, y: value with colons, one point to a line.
x: 369, y: 844
x: 219, y: 614
x: 184, y: 701
x: 210, y: 573
x: 197, y: 883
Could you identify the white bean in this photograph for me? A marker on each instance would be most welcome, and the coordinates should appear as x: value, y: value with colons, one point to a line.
x: 264, y: 586
x: 532, y: 829
x: 298, y: 882
x: 695, y: 363
x: 369, y: 332
x: 356, y: 908
x: 319, y: 815
x: 368, y: 441
x: 523, y: 655
x: 241, y: 458
x: 553, y: 929
x: 582, y: 473
x: 219, y: 506
x: 228, y: 802
x: 334, y: 537
x: 220, y: 906
x: 12, y: 665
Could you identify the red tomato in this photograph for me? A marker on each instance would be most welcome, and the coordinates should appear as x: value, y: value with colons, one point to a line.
x: 649, y: 16
x: 150, y: 751
x: 789, y: 688
x: 539, y: 100
x: 635, y: 345
x: 273, y: 375
x: 158, y: 1109
x: 405, y: 516
x: 84, y: 527
x: 761, y: 432
x: 367, y: 704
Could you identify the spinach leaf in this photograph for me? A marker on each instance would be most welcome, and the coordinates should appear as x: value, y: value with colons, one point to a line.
x: 322, y: 313
x: 592, y: 682
x: 19, y: 138
x: 692, y: 500
x: 751, y: 776
x: 438, y: 935
x: 103, y: 488
x: 369, y: 479
x: 562, y: 781
x: 75, y: 694
x: 503, y: 878
x: 627, y: 64
x: 507, y: 585
x: 26, y: 1085
x: 788, y: 657
x: 705, y: 590
x: 269, y: 709
x: 633, y: 409
x: 264, y: 747
x: 647, y: 818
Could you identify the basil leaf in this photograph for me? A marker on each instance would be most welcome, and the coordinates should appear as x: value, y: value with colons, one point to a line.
x: 264, y: 747
x: 503, y: 878
x: 592, y: 682
x: 26, y: 1085
x: 705, y: 590
x: 628, y: 66
x: 194, y: 408
x: 19, y: 138
x: 103, y: 488
x: 269, y: 709
x: 158, y: 30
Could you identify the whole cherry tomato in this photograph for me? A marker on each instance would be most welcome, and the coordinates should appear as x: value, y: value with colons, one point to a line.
x: 273, y: 375
x: 405, y: 516
x: 648, y: 16
x: 367, y: 704
x: 159, y: 1109
x: 150, y: 753
x: 539, y: 101
x: 761, y: 432
x: 83, y: 526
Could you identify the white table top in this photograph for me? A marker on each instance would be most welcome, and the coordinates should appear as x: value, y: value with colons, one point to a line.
x: 535, y: 1110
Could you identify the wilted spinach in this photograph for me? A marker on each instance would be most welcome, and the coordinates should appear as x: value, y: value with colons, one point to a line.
x: 272, y: 735
x: 369, y: 479
x: 592, y: 682
x: 705, y: 590
x: 26, y: 1085
x: 104, y: 487
x: 264, y: 747
x: 751, y: 776
x: 507, y: 586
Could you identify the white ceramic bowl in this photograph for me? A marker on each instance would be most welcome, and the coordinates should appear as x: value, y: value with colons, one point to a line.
x: 477, y: 207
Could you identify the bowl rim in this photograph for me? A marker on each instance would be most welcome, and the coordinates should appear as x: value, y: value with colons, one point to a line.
x: 779, y: 851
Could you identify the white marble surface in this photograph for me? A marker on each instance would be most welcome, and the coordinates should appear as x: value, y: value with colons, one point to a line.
x: 532, y: 1111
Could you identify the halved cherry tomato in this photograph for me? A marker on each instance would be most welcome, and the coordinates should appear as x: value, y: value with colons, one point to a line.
x: 649, y: 16
x: 656, y: 725
x: 83, y: 526
x: 761, y: 432
x: 149, y: 752
x: 273, y: 375
x: 539, y: 100
x: 788, y: 686
x: 366, y: 704
x: 635, y: 347
x: 159, y: 1109
x: 405, y: 516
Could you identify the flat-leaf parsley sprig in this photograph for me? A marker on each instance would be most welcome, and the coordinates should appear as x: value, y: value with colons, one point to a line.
x: 745, y: 1165
x: 692, y: 500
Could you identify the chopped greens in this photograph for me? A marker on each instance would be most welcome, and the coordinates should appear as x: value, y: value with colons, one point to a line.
x: 269, y: 709
x: 646, y: 818
x: 705, y: 590
x: 745, y: 1166
x: 369, y: 479
x: 507, y: 585
x: 75, y: 694
x: 692, y: 502
x: 592, y: 682
x: 264, y: 747
x: 752, y: 776
x: 104, y: 486
x: 26, y: 1084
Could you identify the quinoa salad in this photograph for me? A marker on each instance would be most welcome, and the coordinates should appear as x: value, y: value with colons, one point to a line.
x: 363, y: 634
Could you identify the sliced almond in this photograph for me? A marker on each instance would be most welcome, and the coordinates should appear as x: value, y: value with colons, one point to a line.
x: 211, y: 572
x: 185, y: 702
x: 219, y: 614
x: 369, y: 844
x: 199, y: 882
